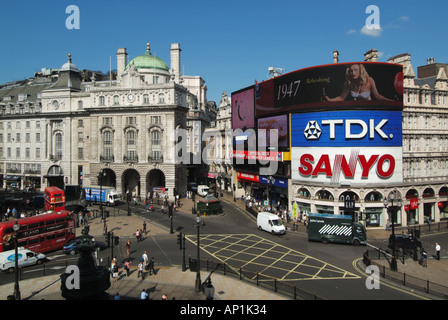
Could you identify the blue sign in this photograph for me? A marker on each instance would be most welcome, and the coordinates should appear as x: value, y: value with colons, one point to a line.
x: 282, y: 183
x: 12, y: 257
x: 347, y: 128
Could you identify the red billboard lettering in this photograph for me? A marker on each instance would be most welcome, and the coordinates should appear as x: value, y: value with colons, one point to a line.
x: 379, y: 168
x: 385, y: 165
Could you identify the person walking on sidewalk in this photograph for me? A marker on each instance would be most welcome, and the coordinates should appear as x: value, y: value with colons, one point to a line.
x: 127, y: 267
x: 151, y: 266
x: 137, y: 235
x: 437, y: 251
x: 128, y: 247
x: 140, y: 270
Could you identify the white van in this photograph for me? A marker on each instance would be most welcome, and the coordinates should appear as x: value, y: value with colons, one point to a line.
x: 270, y: 222
x: 26, y: 258
x: 203, y: 190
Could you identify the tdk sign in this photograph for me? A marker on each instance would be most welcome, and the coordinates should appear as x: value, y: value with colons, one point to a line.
x: 346, y: 128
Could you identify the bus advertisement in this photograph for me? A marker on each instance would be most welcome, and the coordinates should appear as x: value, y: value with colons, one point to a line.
x: 39, y: 233
x: 54, y: 199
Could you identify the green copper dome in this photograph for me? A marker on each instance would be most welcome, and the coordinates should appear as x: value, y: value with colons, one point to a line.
x: 148, y: 61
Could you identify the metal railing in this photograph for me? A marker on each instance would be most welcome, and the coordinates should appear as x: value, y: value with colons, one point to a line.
x: 405, y: 279
x: 284, y: 288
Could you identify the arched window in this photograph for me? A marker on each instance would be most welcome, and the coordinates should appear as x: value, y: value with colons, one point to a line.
x: 58, y: 145
x: 107, y: 145
x: 131, y: 145
x: 156, y: 145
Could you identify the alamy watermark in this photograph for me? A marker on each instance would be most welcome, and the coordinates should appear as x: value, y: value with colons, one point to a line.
x: 73, y: 21
x: 373, y: 280
x: 250, y: 147
x: 72, y: 282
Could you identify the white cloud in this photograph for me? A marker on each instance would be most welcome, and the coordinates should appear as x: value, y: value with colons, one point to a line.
x: 404, y: 19
x: 351, y: 31
x: 373, y: 31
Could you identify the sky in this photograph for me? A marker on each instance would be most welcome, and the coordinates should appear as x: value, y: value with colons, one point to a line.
x: 230, y: 44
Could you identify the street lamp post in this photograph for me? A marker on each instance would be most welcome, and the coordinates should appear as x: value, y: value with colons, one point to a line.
x: 16, y: 228
x: 198, y: 283
x: 100, y: 178
x: 392, y: 209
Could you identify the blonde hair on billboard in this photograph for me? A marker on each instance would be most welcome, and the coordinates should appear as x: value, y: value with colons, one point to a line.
x: 363, y: 75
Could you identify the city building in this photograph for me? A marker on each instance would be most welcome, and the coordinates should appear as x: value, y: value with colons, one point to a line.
x: 219, y: 147
x: 83, y: 128
x: 410, y: 161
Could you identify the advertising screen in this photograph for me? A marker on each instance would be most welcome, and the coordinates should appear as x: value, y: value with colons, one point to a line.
x: 347, y: 86
x: 243, y: 108
x: 347, y: 128
x: 353, y: 166
x: 279, y: 123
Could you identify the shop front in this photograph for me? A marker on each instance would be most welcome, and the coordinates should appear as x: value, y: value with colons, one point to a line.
x: 267, y: 192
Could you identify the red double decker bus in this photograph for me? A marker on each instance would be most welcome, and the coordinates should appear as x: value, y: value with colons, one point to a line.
x: 40, y: 233
x: 54, y: 199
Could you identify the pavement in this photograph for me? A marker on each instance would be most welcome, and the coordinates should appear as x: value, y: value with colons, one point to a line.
x: 178, y: 285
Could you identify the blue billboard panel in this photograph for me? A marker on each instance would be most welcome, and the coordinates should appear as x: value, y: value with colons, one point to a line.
x: 347, y: 128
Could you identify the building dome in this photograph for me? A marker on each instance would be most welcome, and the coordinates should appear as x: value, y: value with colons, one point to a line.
x: 148, y: 61
x: 69, y: 66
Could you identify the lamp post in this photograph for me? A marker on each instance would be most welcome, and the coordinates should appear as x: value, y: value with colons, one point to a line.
x: 171, y: 215
x: 392, y: 209
x: 16, y: 228
x: 100, y: 178
x: 198, y: 283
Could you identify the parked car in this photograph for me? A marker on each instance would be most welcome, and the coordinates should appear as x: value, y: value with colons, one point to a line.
x: 72, y: 247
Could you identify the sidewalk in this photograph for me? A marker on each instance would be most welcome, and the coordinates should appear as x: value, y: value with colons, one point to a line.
x: 169, y: 280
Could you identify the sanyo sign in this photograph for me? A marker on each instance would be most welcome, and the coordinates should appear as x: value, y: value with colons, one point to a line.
x: 346, y: 128
x: 335, y: 165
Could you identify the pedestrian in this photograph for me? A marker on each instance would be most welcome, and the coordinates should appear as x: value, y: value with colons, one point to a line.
x: 151, y: 266
x: 437, y: 251
x: 115, y: 271
x: 128, y: 247
x: 137, y: 235
x: 117, y: 296
x: 164, y: 297
x: 140, y: 270
x: 127, y: 267
x: 145, y: 258
x: 144, y: 226
x: 144, y: 295
x: 140, y: 234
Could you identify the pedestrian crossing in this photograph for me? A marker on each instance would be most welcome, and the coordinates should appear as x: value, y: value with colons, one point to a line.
x: 267, y: 258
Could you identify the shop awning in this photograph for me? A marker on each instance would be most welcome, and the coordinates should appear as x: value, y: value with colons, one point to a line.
x: 12, y: 178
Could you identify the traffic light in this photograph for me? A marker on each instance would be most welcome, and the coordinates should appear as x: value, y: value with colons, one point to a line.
x: 179, y: 240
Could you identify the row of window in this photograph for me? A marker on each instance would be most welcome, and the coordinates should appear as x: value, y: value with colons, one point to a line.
x: 116, y: 100
x: 439, y: 144
x: 412, y: 122
x: 425, y: 97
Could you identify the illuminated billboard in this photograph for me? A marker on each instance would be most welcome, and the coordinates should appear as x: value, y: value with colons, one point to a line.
x: 349, y: 165
x: 347, y: 128
x: 340, y: 86
x: 243, y: 108
x: 279, y: 123
x: 347, y: 147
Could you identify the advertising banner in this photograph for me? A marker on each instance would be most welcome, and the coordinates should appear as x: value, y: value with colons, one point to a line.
x: 279, y: 123
x: 243, y: 108
x: 343, y: 86
x: 353, y: 166
x: 347, y: 128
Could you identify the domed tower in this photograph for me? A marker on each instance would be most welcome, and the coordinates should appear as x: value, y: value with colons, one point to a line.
x: 149, y: 68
